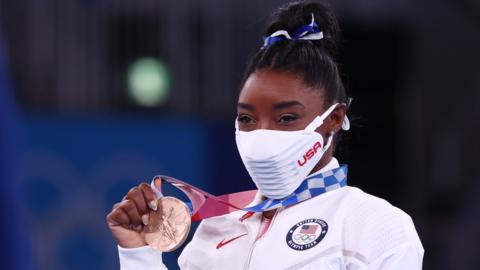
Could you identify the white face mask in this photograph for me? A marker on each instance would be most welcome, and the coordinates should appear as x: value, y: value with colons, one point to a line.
x: 278, y: 161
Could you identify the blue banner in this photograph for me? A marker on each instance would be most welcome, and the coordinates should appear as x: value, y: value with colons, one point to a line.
x: 13, y: 253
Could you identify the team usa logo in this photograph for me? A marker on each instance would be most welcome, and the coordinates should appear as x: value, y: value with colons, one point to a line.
x: 307, y: 233
x: 309, y: 154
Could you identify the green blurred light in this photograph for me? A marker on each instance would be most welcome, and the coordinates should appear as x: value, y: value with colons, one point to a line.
x: 148, y: 81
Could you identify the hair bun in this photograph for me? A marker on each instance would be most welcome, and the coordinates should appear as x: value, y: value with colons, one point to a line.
x: 296, y: 14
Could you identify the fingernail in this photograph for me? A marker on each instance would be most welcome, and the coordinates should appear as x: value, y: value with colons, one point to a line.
x: 154, y: 205
x: 145, y: 219
x: 138, y: 228
x: 114, y: 223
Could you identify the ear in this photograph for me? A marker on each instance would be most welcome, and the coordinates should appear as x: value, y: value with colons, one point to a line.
x: 336, y: 118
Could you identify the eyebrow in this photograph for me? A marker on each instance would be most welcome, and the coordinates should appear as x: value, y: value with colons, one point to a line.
x: 287, y: 104
x: 276, y: 106
x: 246, y: 106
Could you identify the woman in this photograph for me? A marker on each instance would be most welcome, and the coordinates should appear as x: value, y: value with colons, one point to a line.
x: 291, y: 106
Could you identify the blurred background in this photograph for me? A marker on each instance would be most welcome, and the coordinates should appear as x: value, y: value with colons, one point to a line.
x: 99, y: 95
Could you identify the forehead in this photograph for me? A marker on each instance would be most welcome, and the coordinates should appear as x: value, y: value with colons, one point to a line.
x: 272, y: 87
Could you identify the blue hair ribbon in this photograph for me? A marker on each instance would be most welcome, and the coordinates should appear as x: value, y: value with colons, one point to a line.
x: 305, y: 32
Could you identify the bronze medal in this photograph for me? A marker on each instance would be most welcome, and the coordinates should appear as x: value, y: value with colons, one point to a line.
x: 168, y: 227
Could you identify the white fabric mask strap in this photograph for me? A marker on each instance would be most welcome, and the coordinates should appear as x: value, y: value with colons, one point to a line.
x: 318, y: 121
x: 346, y: 123
x: 329, y: 142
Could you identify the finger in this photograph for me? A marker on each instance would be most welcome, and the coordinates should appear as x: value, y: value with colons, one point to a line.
x: 150, y: 196
x: 118, y: 217
x: 115, y: 206
x: 136, y: 195
x: 130, y: 209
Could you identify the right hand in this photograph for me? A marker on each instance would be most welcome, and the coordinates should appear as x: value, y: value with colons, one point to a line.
x: 128, y: 217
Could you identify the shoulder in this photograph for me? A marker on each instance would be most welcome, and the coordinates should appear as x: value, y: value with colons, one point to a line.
x: 363, y: 208
x: 373, y: 226
x: 355, y: 200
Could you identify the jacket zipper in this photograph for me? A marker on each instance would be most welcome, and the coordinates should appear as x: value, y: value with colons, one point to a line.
x: 247, y: 265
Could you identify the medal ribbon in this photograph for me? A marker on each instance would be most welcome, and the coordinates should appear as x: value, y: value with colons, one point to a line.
x: 204, y: 205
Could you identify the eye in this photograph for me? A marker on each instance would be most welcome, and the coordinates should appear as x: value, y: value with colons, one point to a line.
x: 288, y: 118
x: 245, y: 119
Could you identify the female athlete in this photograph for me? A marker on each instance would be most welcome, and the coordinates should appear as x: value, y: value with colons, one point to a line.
x: 291, y: 107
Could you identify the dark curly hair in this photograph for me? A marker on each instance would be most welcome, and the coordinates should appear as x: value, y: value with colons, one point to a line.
x: 312, y: 60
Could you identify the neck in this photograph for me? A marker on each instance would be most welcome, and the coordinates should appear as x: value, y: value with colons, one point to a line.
x: 321, y: 164
x: 269, y: 214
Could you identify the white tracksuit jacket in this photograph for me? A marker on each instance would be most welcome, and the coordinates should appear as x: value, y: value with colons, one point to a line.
x: 346, y: 229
